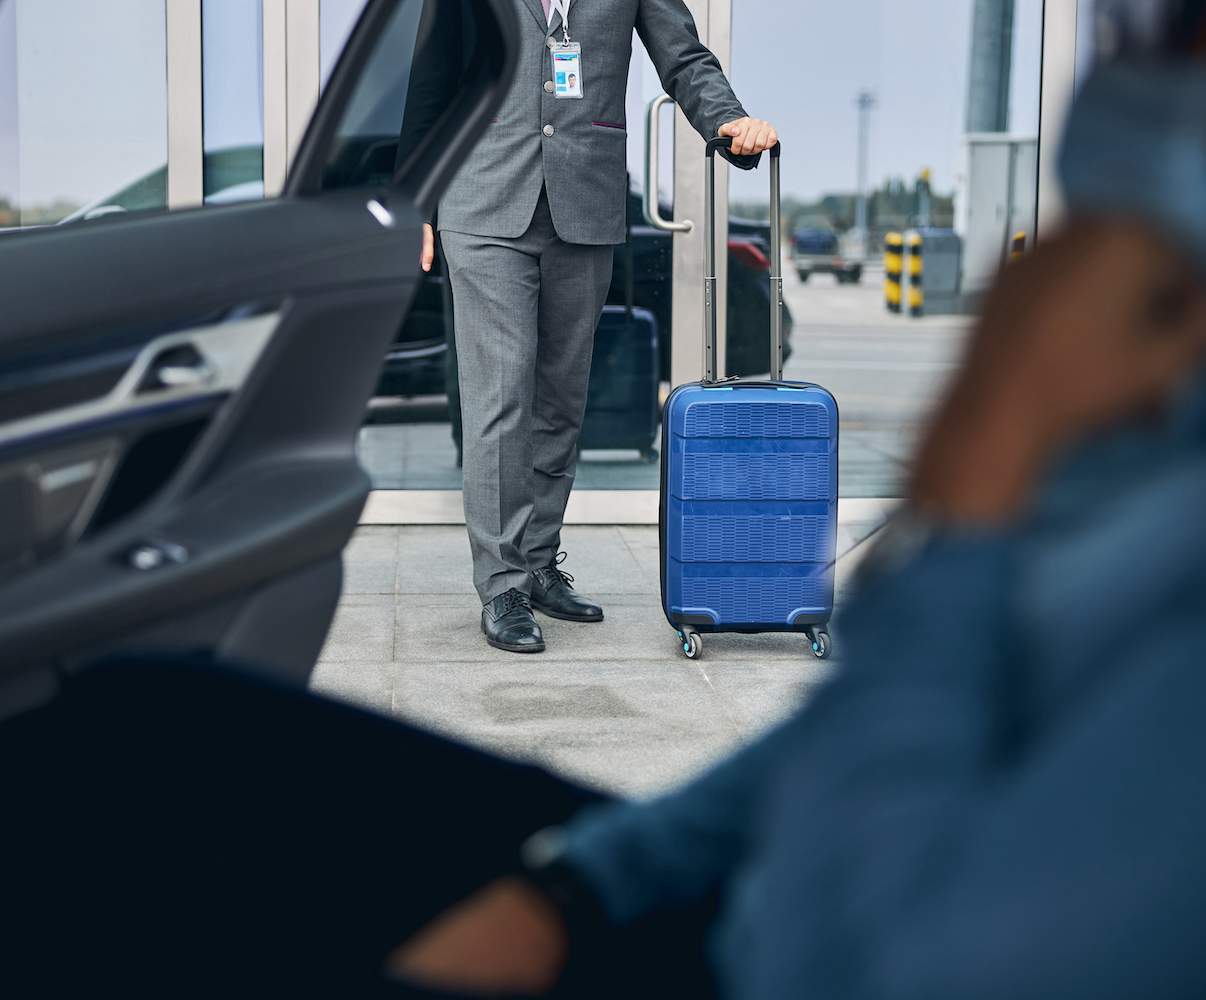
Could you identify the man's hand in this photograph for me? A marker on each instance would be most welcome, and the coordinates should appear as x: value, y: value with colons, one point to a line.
x: 1095, y: 327
x: 507, y: 939
x: 427, y: 256
x: 750, y: 136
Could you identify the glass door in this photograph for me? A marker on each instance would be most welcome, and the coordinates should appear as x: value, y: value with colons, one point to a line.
x: 410, y: 440
x: 83, y: 109
x: 912, y: 123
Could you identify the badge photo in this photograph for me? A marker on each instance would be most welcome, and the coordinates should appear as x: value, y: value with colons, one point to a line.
x: 567, y: 70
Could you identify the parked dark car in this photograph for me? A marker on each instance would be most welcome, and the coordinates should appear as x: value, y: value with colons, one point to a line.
x: 416, y: 362
x: 818, y: 251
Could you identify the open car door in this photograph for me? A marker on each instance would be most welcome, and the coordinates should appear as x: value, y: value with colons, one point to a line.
x: 180, y: 392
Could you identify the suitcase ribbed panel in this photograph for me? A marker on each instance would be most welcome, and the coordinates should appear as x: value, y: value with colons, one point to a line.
x: 756, y: 420
x: 770, y: 538
x: 749, y: 506
x: 727, y: 476
x: 754, y: 599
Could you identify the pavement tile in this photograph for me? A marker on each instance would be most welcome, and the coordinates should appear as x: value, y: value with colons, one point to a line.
x: 644, y: 545
x: 368, y: 600
x: 365, y: 685
x: 370, y: 561
x: 434, y: 559
x: 600, y: 561
x: 450, y: 633
x: 360, y: 633
x: 612, y: 704
x: 573, y: 721
x: 760, y: 695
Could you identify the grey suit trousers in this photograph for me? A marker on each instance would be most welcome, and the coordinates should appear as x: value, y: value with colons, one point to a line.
x: 525, y: 309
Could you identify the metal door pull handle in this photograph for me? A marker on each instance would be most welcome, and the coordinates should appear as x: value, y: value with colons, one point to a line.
x: 653, y: 214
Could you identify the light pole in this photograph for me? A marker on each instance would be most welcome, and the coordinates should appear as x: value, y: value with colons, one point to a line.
x: 865, y: 101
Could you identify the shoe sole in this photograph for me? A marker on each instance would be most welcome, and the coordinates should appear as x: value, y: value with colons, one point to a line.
x: 567, y: 618
x: 529, y: 648
x: 511, y: 647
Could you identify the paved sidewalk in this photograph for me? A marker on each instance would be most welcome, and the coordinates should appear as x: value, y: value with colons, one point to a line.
x: 614, y: 705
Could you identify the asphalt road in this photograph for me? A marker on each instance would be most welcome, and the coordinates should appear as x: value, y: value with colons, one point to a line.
x: 886, y: 371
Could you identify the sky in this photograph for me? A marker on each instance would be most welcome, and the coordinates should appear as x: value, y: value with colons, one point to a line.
x: 83, y: 89
x: 232, y: 73
x: 90, y: 74
x: 800, y: 63
x: 89, y: 96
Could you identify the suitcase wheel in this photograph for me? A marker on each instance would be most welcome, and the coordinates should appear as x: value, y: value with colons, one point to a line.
x: 822, y: 645
x: 692, y: 644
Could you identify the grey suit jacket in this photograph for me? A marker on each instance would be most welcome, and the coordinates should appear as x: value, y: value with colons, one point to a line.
x: 583, y: 162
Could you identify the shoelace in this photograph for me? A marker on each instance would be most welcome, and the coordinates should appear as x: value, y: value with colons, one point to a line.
x: 560, y: 572
x: 513, y: 600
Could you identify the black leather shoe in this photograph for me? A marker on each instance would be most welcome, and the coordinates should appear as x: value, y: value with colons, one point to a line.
x: 552, y: 595
x: 508, y: 623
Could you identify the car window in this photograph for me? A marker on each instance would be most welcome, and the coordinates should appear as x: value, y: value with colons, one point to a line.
x: 365, y: 147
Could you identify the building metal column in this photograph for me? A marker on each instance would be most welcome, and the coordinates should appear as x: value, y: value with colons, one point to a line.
x: 1058, y: 85
x: 185, y: 124
x: 291, y: 83
x: 713, y: 20
x: 990, y: 66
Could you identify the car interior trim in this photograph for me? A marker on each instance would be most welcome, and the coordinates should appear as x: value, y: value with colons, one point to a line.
x: 221, y: 356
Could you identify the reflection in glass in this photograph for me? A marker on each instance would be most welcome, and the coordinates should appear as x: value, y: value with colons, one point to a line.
x: 366, y: 139
x: 83, y: 108
x: 10, y: 161
x: 232, y: 75
x: 336, y: 19
x: 950, y: 104
x: 413, y: 437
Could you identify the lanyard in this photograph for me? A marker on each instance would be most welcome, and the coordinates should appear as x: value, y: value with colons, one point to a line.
x: 562, y: 8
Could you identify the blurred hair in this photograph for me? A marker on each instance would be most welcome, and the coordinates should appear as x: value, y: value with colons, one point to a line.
x: 1149, y: 28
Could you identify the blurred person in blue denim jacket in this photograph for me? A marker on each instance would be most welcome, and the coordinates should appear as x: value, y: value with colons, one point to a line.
x: 1002, y: 793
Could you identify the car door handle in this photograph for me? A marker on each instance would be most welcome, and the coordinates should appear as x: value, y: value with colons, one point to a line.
x: 177, y: 375
x: 181, y: 367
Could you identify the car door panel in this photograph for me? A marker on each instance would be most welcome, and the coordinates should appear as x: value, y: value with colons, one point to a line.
x: 180, y: 395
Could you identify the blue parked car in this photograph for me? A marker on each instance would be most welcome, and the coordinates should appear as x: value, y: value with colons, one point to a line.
x: 818, y: 251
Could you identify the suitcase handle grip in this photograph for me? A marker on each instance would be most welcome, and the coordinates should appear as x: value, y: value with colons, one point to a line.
x: 776, y: 262
x: 724, y: 142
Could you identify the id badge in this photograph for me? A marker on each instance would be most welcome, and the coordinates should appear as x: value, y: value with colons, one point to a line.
x: 567, y: 69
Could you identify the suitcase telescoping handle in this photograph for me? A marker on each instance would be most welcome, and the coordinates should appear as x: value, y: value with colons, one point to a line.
x: 776, y: 263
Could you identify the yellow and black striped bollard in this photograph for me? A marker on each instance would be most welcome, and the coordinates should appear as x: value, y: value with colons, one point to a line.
x: 1018, y: 249
x: 916, y: 294
x: 893, y: 265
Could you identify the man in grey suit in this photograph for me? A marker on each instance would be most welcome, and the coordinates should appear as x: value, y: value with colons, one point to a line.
x: 527, y: 229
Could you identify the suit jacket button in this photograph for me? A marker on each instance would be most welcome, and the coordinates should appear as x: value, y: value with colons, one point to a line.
x: 548, y: 86
x: 550, y: 41
x: 548, y: 130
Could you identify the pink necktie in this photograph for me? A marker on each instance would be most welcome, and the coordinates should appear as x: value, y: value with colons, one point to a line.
x: 546, y: 9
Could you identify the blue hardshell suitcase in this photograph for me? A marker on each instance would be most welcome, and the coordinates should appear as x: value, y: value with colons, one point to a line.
x: 749, y: 488
x: 621, y: 402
